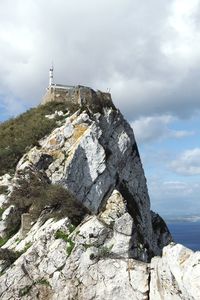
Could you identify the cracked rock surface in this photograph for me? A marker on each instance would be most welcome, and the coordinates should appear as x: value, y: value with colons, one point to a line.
x: 95, y: 267
x: 95, y: 156
x: 114, y: 251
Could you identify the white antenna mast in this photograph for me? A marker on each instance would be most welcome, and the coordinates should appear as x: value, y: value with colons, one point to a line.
x: 51, y: 75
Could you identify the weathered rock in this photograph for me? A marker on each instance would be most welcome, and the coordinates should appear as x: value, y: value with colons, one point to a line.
x: 161, y: 231
x: 93, y: 155
x: 56, y: 114
x: 5, y: 180
x: 175, y: 275
x: 5, y: 189
x: 82, y: 266
x: 115, y: 208
x: 8, y: 224
x: 62, y: 262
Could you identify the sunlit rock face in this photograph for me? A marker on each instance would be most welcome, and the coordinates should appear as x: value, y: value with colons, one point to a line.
x: 175, y: 275
x: 106, y: 252
x: 92, y: 155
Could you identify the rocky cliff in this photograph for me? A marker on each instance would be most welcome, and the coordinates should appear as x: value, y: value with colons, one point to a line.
x: 76, y: 220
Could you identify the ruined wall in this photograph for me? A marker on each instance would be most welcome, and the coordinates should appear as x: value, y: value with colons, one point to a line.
x: 78, y: 95
x: 61, y: 95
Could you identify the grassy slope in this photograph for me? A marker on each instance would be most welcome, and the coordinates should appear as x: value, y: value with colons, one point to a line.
x: 19, y: 134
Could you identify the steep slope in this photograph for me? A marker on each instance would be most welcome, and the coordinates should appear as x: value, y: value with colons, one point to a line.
x: 91, y: 155
x: 16, y: 135
x: 76, y: 215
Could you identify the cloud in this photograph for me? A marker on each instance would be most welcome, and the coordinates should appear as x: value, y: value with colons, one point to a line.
x: 174, y: 197
x: 146, y: 52
x: 148, y: 129
x: 188, y: 163
x: 175, y: 188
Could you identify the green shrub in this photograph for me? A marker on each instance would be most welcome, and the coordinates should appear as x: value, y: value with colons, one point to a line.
x: 86, y: 246
x: 29, y: 189
x: 10, y: 232
x: 71, y: 228
x: 27, y: 246
x: 70, y: 244
x: 42, y: 282
x: 18, y: 240
x: 105, y: 251
x: 34, y: 194
x: 25, y: 290
x: 3, y: 240
x: 9, y: 257
x: 61, y: 202
x: 61, y: 235
x: 3, y: 189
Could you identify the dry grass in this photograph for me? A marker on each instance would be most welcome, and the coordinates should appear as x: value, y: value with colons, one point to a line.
x: 34, y: 195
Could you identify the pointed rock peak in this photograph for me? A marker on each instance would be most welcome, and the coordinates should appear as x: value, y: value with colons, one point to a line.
x: 76, y: 214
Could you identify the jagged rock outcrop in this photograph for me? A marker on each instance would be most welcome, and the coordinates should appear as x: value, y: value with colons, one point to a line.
x: 175, y: 275
x: 87, y: 231
x: 92, y: 154
x: 82, y: 264
x: 58, y: 261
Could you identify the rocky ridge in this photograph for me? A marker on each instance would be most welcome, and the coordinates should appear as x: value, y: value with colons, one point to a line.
x: 109, y: 245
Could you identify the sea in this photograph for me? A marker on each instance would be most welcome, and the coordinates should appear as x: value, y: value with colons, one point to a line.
x: 186, y: 233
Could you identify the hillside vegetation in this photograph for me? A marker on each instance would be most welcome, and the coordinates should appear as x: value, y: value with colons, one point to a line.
x: 19, y: 134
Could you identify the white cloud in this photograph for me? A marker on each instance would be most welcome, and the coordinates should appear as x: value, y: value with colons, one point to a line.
x: 174, y: 188
x: 188, y: 163
x: 148, y: 129
x: 174, y: 197
x: 148, y: 53
x: 183, y: 25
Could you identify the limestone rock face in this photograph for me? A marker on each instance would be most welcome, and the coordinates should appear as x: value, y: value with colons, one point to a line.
x: 82, y: 264
x: 7, y: 213
x: 58, y: 261
x: 176, y: 275
x: 93, y: 156
x: 5, y: 188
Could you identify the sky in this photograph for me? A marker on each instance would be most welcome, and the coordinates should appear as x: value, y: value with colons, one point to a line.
x: 146, y: 52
